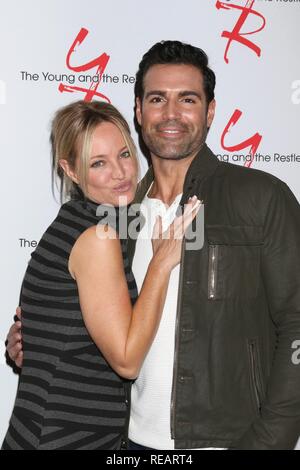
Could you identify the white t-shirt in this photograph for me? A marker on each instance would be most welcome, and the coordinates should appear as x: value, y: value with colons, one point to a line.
x: 151, y: 392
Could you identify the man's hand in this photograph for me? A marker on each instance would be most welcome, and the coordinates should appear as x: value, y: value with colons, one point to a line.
x: 14, y: 341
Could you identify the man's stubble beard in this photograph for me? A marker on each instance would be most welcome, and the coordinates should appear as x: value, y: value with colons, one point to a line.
x: 174, y: 152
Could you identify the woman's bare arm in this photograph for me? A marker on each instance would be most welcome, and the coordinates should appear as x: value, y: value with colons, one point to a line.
x: 123, y: 333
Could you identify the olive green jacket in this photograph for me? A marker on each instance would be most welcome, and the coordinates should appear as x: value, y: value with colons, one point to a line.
x: 236, y: 379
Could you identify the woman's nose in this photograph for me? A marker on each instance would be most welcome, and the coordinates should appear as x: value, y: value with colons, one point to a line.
x: 118, y: 171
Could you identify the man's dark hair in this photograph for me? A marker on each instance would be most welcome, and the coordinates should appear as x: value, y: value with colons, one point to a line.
x: 176, y: 52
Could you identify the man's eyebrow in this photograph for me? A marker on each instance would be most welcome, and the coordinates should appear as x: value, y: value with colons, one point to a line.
x: 181, y: 93
x: 190, y: 93
x: 155, y: 92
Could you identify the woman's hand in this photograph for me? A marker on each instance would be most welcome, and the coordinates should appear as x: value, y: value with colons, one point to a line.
x: 167, y: 245
x: 14, y: 341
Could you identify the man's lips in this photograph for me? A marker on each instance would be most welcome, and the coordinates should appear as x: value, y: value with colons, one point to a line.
x: 170, y: 131
x: 123, y: 188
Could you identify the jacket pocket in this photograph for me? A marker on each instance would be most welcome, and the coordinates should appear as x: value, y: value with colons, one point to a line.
x: 255, y: 373
x: 233, y: 261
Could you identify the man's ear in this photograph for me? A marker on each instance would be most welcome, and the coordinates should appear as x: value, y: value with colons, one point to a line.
x: 138, y: 111
x: 211, y: 112
x: 70, y: 172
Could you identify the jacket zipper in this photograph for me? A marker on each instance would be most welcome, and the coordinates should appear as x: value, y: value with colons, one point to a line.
x: 173, y: 394
x: 254, y: 373
x: 212, y: 270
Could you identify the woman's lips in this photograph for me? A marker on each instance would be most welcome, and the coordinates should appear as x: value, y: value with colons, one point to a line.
x: 123, y: 188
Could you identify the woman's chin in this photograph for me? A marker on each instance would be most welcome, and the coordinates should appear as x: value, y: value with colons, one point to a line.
x: 123, y: 201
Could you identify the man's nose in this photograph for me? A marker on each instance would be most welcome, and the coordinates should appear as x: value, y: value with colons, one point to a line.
x: 171, y: 110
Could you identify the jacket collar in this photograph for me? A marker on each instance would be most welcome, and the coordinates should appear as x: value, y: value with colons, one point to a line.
x: 203, y: 165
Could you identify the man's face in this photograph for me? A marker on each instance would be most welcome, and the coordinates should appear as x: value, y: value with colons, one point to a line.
x: 173, y: 114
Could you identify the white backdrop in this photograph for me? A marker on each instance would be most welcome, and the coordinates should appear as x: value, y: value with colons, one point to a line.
x: 261, y: 78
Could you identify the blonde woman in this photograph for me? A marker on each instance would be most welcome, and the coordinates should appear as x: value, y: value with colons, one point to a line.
x: 85, y: 332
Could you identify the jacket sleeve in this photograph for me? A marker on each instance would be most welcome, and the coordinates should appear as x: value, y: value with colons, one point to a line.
x: 278, y: 427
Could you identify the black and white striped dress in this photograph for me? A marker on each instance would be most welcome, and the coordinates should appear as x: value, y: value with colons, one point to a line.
x: 68, y: 396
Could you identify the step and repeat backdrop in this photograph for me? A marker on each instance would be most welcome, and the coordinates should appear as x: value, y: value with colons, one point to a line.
x: 55, y: 52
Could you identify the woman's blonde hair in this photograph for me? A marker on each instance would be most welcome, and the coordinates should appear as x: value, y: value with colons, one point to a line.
x: 71, y: 136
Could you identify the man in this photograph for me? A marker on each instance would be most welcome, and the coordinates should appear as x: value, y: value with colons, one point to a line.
x: 220, y: 372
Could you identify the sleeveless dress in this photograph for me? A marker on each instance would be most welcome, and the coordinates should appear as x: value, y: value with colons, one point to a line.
x: 68, y: 396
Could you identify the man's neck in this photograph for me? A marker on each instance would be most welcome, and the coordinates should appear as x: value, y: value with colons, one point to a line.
x: 169, y: 176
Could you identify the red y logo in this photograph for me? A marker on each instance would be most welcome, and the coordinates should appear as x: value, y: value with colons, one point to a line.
x: 100, y: 62
x: 254, y: 141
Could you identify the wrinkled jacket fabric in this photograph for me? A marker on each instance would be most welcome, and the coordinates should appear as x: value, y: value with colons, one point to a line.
x: 236, y: 377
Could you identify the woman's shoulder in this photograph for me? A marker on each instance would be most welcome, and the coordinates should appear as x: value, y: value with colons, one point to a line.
x: 73, y: 204
x: 90, y: 219
x: 79, y: 212
x: 95, y: 243
x: 99, y: 236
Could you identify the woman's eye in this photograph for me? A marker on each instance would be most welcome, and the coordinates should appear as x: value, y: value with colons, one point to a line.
x: 97, y: 164
x: 125, y: 154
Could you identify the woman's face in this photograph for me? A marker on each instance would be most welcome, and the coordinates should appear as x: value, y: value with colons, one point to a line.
x: 112, y: 171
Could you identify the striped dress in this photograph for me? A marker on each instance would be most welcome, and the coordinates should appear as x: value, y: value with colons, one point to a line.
x: 68, y: 396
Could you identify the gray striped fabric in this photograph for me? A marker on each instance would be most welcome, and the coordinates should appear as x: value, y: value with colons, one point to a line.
x: 68, y: 396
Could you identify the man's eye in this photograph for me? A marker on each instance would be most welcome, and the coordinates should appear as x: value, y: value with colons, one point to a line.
x: 125, y: 154
x: 189, y: 100
x: 97, y: 164
x: 156, y: 99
